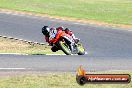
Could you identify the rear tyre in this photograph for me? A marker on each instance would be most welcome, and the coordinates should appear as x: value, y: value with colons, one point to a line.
x: 64, y: 47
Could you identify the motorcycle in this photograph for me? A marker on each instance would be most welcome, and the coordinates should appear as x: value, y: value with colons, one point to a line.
x: 63, y: 42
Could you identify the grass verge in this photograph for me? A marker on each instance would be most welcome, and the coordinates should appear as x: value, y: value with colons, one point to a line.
x: 16, y: 46
x: 110, y: 11
x: 53, y: 80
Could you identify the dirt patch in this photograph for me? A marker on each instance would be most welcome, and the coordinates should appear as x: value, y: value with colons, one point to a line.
x: 67, y: 18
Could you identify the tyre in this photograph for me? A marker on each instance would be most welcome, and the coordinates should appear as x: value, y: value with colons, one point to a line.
x: 81, y: 49
x: 64, y: 47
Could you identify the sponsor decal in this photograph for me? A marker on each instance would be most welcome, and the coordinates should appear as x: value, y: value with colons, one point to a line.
x: 82, y: 77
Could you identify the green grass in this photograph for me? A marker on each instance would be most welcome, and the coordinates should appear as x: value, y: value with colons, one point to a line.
x: 111, y: 11
x: 16, y: 46
x: 52, y: 80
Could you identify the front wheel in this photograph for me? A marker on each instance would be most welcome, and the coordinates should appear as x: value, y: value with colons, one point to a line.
x: 80, y: 48
x: 64, y: 47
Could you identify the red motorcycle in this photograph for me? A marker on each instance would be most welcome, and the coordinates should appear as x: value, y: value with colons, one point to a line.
x: 62, y: 41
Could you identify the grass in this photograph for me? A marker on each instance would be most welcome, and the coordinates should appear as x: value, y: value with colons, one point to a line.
x: 52, y: 80
x: 16, y: 46
x: 110, y: 11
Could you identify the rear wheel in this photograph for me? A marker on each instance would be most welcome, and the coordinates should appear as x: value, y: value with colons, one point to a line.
x: 65, y: 47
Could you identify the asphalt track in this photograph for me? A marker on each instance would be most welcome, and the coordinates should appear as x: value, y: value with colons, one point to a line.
x: 108, y: 48
x: 62, y: 63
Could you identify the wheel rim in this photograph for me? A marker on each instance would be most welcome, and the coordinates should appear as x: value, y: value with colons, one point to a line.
x: 65, y: 46
x: 80, y: 47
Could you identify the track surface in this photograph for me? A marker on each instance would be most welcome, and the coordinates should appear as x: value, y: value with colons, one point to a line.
x: 63, y: 63
x: 108, y: 48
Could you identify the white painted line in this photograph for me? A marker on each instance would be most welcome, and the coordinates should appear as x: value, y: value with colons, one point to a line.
x: 128, y: 30
x: 12, y: 54
x: 12, y: 68
x: 55, y: 54
x: 65, y: 54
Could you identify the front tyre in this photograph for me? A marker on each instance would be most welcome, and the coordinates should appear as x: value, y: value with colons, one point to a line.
x: 64, y: 47
x: 81, y: 49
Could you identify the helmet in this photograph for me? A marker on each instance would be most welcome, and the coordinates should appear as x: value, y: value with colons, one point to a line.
x: 60, y: 28
x: 45, y: 30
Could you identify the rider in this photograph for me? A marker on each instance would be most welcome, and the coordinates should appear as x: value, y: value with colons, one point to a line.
x: 51, y: 35
x: 48, y: 33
